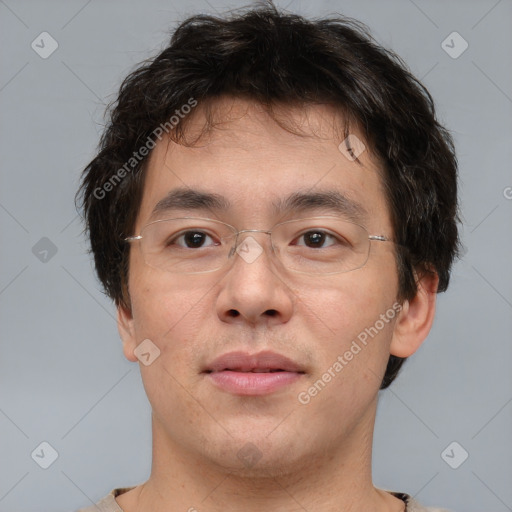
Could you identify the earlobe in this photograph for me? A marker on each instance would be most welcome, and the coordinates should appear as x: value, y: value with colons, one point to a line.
x: 127, y: 332
x: 416, y: 318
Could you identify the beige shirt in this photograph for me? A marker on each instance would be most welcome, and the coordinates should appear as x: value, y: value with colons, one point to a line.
x: 109, y: 503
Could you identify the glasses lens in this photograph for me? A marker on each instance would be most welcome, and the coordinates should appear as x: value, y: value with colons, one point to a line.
x: 323, y: 245
x: 186, y: 245
x: 320, y: 245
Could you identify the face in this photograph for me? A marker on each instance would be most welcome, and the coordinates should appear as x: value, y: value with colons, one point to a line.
x: 218, y: 410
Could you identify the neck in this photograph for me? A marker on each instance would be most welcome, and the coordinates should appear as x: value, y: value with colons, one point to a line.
x: 337, y: 480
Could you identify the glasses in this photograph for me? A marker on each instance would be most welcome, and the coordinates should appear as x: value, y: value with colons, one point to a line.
x: 317, y: 245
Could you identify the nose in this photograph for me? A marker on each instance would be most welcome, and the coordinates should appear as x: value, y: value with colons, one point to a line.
x: 253, y: 290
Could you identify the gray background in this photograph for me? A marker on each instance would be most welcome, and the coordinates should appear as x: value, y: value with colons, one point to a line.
x: 63, y: 377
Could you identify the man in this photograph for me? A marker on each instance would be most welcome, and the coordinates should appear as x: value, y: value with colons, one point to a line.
x: 273, y: 210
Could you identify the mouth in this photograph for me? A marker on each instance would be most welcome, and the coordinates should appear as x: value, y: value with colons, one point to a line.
x: 253, y: 370
x: 240, y: 373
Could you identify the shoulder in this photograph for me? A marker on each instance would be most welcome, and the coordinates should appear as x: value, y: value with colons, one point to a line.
x: 414, y: 506
x: 108, y: 503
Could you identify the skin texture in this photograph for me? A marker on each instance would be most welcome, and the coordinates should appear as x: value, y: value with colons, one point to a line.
x: 315, y: 456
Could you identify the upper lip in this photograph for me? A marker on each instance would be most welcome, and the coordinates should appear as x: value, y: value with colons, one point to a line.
x: 244, y: 362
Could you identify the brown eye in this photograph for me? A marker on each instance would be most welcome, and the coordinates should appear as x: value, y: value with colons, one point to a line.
x: 315, y: 239
x: 194, y: 239
x: 191, y: 240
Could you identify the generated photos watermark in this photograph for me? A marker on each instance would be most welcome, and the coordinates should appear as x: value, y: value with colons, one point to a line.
x: 356, y: 346
x: 144, y: 150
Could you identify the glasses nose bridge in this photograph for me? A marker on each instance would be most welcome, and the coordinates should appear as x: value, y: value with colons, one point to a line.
x: 254, y: 231
x: 266, y: 231
x: 238, y: 239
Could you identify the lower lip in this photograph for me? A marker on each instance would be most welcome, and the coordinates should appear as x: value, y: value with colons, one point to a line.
x: 249, y: 383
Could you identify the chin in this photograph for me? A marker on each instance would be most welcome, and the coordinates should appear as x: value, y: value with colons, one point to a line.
x: 251, y: 455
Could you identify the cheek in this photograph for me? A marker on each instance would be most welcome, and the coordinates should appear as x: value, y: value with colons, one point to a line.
x: 168, y: 314
x: 351, y: 303
x: 167, y: 310
x: 353, y: 325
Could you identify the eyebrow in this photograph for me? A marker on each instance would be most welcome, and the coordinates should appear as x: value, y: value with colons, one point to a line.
x: 331, y: 200
x: 188, y: 199
x: 297, y: 202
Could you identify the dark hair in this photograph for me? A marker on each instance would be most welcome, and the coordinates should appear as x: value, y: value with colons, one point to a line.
x: 277, y: 58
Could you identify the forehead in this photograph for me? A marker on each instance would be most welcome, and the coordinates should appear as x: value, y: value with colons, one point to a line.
x: 256, y: 161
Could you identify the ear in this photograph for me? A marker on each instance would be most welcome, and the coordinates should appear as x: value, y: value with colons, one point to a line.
x: 416, y: 317
x: 127, y: 332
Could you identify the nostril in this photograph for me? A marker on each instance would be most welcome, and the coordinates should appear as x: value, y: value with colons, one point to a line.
x: 271, y: 312
x: 233, y: 313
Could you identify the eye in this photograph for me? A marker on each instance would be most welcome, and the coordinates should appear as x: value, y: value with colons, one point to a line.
x: 317, y: 239
x: 191, y: 240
